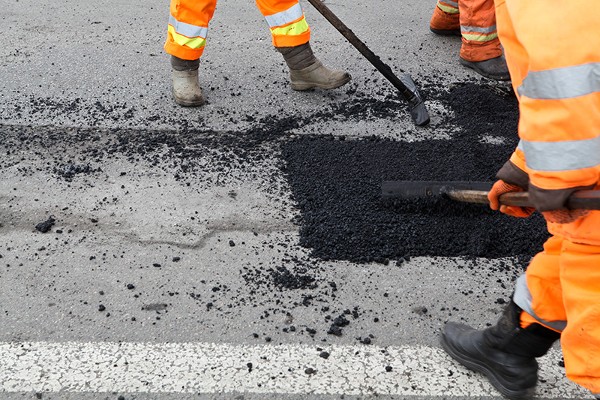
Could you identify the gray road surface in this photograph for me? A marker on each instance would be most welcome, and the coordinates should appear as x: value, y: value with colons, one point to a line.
x: 195, y: 251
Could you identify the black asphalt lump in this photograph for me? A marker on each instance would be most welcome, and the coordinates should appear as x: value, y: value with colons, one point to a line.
x: 46, y: 225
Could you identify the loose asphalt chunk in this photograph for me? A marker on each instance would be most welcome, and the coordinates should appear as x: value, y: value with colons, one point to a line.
x: 46, y: 225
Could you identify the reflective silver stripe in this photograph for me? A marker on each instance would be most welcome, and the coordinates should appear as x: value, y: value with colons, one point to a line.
x: 561, y: 83
x: 450, y: 3
x: 520, y: 145
x: 562, y: 156
x: 285, y: 17
x: 478, y: 29
x: 522, y: 298
x: 188, y: 30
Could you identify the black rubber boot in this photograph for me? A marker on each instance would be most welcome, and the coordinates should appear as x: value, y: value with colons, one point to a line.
x: 446, y: 32
x: 494, y: 68
x: 504, y: 353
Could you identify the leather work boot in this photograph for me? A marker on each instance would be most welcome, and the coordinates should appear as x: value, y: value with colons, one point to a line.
x: 307, y: 72
x: 445, y: 24
x: 186, y: 89
x: 494, y: 68
x: 504, y: 353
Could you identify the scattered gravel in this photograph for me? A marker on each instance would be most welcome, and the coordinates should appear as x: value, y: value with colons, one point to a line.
x: 335, y: 184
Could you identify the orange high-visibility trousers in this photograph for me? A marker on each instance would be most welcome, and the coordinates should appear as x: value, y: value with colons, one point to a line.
x: 188, y: 25
x: 553, y: 55
x: 561, y: 290
x: 477, y: 22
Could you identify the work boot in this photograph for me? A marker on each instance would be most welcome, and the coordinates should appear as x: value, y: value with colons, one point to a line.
x: 445, y: 24
x: 186, y: 89
x: 307, y: 72
x: 494, y: 68
x: 504, y: 353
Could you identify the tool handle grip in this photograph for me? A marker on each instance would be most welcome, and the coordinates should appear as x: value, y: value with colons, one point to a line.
x: 580, y: 200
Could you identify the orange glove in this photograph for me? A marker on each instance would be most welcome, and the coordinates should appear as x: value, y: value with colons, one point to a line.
x: 500, y: 188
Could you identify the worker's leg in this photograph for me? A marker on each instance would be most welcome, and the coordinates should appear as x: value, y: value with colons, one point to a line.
x: 188, y: 27
x: 539, y: 293
x: 291, y: 34
x: 506, y: 353
x: 480, y: 48
x: 580, y: 279
x: 445, y: 19
x: 186, y: 38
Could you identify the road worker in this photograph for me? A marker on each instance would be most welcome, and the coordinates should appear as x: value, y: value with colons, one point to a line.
x: 186, y: 38
x: 553, y: 54
x: 475, y: 22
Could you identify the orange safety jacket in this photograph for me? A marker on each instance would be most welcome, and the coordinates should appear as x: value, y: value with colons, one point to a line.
x: 557, y: 81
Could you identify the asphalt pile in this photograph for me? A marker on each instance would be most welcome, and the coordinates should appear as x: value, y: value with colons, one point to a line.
x: 337, y: 186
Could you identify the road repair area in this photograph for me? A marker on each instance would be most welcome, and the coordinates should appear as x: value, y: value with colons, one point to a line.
x: 242, y: 250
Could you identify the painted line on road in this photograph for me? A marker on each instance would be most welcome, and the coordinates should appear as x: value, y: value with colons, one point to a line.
x: 221, y: 368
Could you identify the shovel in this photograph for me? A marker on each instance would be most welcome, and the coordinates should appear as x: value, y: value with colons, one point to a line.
x: 404, y: 83
x: 476, y: 192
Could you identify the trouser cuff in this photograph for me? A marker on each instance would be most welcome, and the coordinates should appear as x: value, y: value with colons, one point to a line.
x: 180, y: 64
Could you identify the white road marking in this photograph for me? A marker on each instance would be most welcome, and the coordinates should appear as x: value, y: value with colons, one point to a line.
x: 218, y: 368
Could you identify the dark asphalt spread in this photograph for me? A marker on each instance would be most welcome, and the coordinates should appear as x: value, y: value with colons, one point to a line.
x: 337, y: 186
x: 335, y: 181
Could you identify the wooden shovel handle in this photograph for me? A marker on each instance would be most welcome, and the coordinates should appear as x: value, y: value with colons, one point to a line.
x: 580, y: 200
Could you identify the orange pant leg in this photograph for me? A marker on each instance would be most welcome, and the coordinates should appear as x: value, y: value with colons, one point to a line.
x: 478, y: 26
x: 188, y: 27
x: 445, y: 16
x: 580, y: 279
x: 286, y: 21
x: 539, y: 293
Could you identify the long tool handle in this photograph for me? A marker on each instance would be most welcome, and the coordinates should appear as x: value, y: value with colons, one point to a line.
x: 406, y: 87
x: 581, y: 200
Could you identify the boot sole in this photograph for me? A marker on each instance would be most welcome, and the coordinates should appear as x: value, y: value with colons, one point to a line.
x: 303, y: 86
x: 481, y: 72
x: 477, y: 366
x: 446, y: 32
x: 187, y: 103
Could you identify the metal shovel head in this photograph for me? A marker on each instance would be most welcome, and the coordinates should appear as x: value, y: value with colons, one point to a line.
x: 418, y: 111
x: 413, y: 190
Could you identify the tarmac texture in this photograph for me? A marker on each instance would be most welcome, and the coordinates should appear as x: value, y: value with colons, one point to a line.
x: 241, y: 250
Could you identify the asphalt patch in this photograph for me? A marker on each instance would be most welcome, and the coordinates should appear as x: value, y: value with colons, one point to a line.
x: 336, y: 184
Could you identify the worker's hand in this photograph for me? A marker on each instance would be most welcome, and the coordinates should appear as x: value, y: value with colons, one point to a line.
x: 500, y: 188
x: 552, y: 203
x: 564, y: 216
